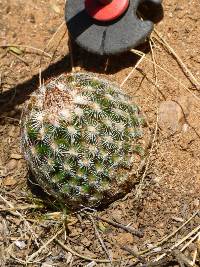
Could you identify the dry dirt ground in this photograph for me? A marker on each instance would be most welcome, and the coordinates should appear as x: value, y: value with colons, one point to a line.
x: 165, y: 204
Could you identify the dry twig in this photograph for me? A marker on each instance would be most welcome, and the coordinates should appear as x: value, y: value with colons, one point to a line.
x: 139, y: 53
x: 100, y: 239
x: 185, y: 69
x: 22, y: 217
x: 178, y: 243
x: 165, y: 239
x: 79, y: 255
x: 133, y: 69
x: 122, y: 226
x: 35, y: 254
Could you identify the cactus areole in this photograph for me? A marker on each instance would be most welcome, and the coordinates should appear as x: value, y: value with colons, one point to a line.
x: 80, y: 137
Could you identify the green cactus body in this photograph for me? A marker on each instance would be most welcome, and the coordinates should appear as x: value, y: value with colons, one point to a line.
x: 79, y: 136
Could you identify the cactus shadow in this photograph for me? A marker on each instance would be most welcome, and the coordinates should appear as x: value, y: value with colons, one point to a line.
x: 49, y: 202
x: 21, y: 92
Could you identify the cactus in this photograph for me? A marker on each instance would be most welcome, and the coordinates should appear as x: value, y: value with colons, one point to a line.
x: 79, y: 136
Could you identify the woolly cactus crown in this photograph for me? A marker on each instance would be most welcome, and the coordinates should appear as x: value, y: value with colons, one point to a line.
x: 79, y: 137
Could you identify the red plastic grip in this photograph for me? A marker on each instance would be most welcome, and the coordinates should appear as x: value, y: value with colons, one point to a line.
x: 106, y: 10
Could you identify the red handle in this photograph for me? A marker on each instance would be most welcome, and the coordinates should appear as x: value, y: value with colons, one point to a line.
x: 106, y: 10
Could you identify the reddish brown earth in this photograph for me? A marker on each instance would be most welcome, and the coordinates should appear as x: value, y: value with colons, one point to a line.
x: 168, y: 192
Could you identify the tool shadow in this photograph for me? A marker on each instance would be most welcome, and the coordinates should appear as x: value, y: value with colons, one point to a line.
x: 85, y: 60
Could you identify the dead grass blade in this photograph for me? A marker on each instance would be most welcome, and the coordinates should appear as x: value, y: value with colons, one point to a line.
x: 23, y: 218
x: 44, y: 246
x: 28, y: 47
x: 139, y: 53
x: 183, y: 66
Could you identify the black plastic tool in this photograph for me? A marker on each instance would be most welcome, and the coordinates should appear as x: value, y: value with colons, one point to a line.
x: 108, y: 37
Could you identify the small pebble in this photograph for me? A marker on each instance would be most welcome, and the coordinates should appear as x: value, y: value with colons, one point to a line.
x: 91, y: 264
x: 16, y: 156
x: 11, y: 165
x: 86, y: 242
x: 13, y: 131
x: 69, y: 257
x: 46, y: 264
x: 117, y: 215
x: 20, y: 244
x: 170, y: 117
x: 32, y: 18
x: 196, y: 202
x: 124, y: 239
x: 9, y: 181
x: 74, y: 232
x: 157, y: 249
x: 185, y: 127
x: 177, y: 219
